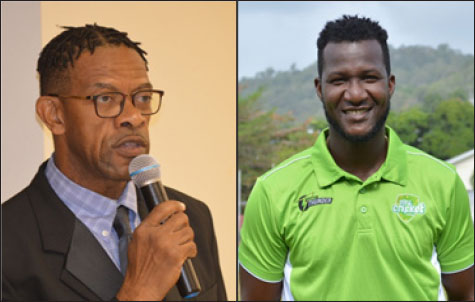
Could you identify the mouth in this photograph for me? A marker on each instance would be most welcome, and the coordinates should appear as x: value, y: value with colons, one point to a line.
x: 131, y: 146
x: 357, y: 113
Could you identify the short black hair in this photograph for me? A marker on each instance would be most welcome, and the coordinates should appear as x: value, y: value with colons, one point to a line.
x: 64, y: 49
x: 351, y: 29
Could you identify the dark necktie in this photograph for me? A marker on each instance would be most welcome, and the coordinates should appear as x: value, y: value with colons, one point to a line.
x: 122, y: 227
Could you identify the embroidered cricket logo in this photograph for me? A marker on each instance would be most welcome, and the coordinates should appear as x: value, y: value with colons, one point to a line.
x: 407, y: 206
x: 309, y: 200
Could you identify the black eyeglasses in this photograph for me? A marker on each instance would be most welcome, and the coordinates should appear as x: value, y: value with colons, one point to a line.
x: 111, y: 104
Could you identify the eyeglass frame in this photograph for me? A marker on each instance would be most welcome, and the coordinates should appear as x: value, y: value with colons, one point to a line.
x: 122, y: 103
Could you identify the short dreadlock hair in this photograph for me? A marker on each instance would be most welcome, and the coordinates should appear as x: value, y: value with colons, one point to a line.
x: 351, y: 29
x: 63, y: 50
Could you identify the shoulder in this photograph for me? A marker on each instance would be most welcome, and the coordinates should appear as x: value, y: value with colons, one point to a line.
x: 18, y: 227
x: 31, y: 218
x: 189, y: 201
x: 197, y: 211
x: 21, y: 239
x: 437, y: 178
x: 274, y: 190
x: 421, y: 160
x: 18, y: 214
x: 16, y: 203
x: 292, y: 169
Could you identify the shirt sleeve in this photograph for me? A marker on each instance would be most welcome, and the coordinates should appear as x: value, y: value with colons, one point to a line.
x: 455, y: 244
x: 262, y: 251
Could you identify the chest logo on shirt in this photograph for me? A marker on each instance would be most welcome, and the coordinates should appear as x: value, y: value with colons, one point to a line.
x: 309, y: 200
x: 407, y: 206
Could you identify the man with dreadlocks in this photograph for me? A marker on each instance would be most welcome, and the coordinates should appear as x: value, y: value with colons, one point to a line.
x: 61, y: 233
x: 360, y: 215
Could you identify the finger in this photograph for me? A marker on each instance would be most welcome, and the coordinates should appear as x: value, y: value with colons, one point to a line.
x: 177, y: 222
x: 162, y: 211
x: 184, y: 236
x: 190, y: 249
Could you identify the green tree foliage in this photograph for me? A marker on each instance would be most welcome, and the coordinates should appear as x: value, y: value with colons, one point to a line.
x: 293, y: 140
x: 452, y: 129
x: 410, y: 125
x: 444, y: 132
x: 266, y: 138
x: 254, y: 134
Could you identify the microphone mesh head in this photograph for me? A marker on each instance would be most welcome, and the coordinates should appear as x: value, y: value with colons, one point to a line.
x: 143, y: 169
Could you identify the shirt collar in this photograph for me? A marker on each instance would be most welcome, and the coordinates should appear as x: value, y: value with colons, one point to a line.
x: 393, y: 169
x: 84, y: 202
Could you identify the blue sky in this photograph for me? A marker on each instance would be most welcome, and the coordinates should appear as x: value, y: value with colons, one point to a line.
x: 277, y: 34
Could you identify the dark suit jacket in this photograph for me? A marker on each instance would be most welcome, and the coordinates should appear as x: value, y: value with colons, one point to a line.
x: 48, y: 254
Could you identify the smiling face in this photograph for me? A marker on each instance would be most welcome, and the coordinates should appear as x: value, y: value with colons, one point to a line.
x: 92, y: 149
x: 355, y: 89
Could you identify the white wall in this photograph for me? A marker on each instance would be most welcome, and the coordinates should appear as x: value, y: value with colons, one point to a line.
x: 465, y: 170
x: 22, y: 135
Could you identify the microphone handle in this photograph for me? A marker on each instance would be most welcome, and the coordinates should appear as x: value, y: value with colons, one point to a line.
x: 188, y: 283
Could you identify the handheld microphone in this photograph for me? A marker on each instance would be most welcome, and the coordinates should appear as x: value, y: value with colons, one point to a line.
x: 145, y: 173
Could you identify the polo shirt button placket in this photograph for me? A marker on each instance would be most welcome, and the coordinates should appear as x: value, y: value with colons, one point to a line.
x: 364, y: 220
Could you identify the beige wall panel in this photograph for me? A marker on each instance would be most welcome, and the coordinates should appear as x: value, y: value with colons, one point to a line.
x: 192, y: 56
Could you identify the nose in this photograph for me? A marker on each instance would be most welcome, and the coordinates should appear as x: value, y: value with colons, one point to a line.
x: 131, y: 116
x: 356, y: 92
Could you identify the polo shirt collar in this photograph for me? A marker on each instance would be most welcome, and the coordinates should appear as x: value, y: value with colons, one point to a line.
x: 328, y: 172
x: 394, y: 168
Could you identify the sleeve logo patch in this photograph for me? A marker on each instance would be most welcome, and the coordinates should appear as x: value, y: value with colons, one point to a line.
x: 407, y: 206
x: 307, y: 201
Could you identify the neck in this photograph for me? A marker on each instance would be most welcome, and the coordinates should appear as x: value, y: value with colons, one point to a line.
x: 358, y: 158
x: 96, y: 183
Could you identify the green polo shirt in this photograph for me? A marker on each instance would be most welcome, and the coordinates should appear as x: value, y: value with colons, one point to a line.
x: 329, y: 236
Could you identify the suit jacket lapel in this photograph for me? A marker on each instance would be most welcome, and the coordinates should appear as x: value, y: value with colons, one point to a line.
x: 88, y: 269
x: 88, y: 262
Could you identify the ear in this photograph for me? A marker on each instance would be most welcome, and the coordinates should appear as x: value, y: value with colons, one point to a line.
x: 50, y: 111
x: 318, y: 88
x: 391, y: 84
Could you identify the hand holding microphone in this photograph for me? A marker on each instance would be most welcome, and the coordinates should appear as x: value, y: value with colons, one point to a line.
x: 162, y: 244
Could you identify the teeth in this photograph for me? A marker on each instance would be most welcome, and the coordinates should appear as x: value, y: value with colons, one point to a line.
x: 356, y: 111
